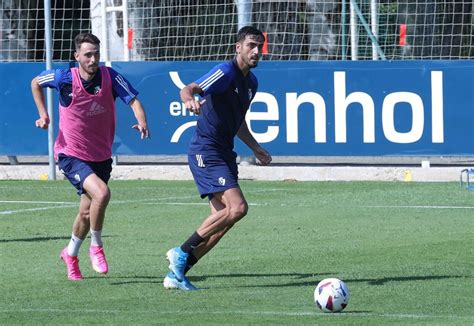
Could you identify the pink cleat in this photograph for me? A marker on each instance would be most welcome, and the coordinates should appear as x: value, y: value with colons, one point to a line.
x: 98, y: 261
x: 72, y: 264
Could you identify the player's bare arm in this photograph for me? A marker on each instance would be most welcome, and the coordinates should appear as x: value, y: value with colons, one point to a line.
x: 37, y: 91
x: 187, y: 97
x: 140, y: 115
x: 260, y: 153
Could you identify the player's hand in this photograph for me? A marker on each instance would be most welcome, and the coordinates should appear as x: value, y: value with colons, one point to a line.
x: 263, y: 156
x: 144, y: 132
x: 194, y: 105
x: 42, y: 123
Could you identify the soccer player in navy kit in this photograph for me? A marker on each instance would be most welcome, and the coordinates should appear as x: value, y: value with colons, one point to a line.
x: 227, y: 91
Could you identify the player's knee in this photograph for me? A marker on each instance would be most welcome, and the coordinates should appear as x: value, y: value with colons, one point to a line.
x: 236, y: 212
x: 103, y: 196
x: 84, y: 214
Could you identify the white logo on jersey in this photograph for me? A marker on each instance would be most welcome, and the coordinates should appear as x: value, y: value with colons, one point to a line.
x: 236, y: 90
x: 95, y: 109
x: 200, y: 161
x: 221, y: 181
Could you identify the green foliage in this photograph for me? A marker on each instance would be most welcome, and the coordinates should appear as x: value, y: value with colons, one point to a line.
x: 404, y: 249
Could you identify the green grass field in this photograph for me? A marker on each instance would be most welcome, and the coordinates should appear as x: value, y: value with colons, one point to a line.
x: 405, y: 251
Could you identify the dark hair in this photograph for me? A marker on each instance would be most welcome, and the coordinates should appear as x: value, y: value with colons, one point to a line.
x: 85, y: 38
x: 250, y: 30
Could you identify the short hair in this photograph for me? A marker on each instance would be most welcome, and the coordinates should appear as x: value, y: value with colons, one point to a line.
x: 85, y: 38
x: 250, y: 30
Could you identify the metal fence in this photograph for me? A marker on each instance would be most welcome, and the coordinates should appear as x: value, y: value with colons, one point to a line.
x: 174, y: 30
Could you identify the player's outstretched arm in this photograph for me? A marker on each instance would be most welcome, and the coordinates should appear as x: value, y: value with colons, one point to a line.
x: 140, y: 115
x: 37, y: 91
x: 187, y: 96
x: 260, y: 153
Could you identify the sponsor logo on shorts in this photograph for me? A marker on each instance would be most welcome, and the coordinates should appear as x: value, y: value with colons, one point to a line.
x: 77, y: 177
x: 221, y: 181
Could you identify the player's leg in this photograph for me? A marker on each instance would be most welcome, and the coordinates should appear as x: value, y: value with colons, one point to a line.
x: 234, y: 208
x: 215, y: 176
x: 75, y: 171
x: 170, y: 281
x: 215, y: 205
x: 99, y: 194
x: 81, y: 226
x: 90, y: 179
x: 80, y: 229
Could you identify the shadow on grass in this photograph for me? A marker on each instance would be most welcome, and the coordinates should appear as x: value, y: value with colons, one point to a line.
x: 157, y: 281
x: 383, y: 280
x: 295, y: 276
x: 295, y: 279
x: 40, y: 239
x: 292, y: 279
x: 35, y: 239
x: 130, y: 279
x: 313, y: 279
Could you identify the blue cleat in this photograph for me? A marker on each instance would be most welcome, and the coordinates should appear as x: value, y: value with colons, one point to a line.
x: 177, y: 258
x: 171, y: 282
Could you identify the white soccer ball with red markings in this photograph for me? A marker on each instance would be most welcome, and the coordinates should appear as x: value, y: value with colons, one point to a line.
x: 331, y: 295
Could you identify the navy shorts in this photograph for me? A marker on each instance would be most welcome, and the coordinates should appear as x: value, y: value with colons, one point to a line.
x: 212, y: 173
x: 77, y: 170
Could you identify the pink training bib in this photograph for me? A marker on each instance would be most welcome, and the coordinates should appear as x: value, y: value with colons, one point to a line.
x: 87, y: 125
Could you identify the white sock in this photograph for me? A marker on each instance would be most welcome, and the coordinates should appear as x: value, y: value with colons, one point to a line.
x: 96, y: 238
x: 74, y: 245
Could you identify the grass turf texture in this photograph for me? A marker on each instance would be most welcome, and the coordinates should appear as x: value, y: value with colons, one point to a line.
x: 405, y: 250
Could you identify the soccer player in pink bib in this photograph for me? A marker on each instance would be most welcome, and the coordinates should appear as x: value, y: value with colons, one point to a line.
x: 83, y: 147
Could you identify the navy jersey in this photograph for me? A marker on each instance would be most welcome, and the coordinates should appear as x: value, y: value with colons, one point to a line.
x: 228, y: 94
x: 61, y: 80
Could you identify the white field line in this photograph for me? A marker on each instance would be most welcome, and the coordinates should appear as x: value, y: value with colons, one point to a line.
x: 154, y: 201
x: 419, y: 206
x: 9, y: 212
x: 36, y: 202
x: 151, y: 200
x: 34, y: 209
x: 178, y: 204
x: 166, y: 201
x: 234, y: 312
x: 195, y: 204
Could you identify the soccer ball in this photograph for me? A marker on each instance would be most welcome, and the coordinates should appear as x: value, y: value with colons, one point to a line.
x: 331, y: 295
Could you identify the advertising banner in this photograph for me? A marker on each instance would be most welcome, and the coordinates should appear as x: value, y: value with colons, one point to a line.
x: 327, y: 108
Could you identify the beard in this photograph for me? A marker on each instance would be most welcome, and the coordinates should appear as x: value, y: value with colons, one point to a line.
x: 90, y: 69
x: 93, y: 69
x: 252, y: 62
